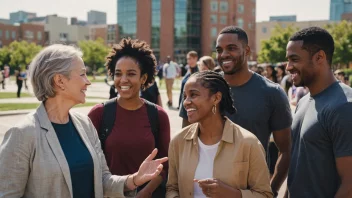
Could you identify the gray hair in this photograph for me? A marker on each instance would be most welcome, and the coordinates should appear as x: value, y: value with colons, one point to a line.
x: 55, y: 59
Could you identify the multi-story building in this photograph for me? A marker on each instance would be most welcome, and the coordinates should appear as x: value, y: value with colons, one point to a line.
x: 21, y: 16
x: 5, y: 21
x: 109, y: 33
x: 75, y: 21
x: 283, y: 18
x: 57, y: 30
x: 265, y: 29
x: 112, y: 34
x: 96, y: 17
x: 338, y: 8
x: 28, y: 32
x: 175, y: 27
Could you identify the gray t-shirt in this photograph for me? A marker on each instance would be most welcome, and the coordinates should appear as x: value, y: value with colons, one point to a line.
x: 262, y: 107
x: 321, y: 132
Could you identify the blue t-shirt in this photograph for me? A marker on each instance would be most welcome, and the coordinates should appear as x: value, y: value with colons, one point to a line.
x: 78, y: 158
x: 321, y: 132
x: 262, y: 107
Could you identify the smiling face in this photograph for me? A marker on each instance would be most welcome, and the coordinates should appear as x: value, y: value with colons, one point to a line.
x: 128, y: 79
x: 231, y: 53
x: 300, y: 65
x: 198, y: 101
x: 75, y: 86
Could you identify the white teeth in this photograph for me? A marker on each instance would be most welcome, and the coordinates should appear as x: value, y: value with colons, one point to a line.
x: 125, y: 87
x: 191, y: 109
x: 226, y: 62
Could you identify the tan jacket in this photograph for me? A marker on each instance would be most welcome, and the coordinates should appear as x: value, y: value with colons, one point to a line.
x: 32, y: 163
x: 239, y: 162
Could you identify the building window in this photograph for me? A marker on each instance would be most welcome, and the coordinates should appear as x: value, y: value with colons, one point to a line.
x: 223, y: 20
x: 264, y: 29
x: 28, y: 34
x: 0, y: 33
x: 250, y: 26
x: 214, y: 19
x: 240, y: 8
x: 13, y: 35
x: 7, y: 36
x: 224, y: 6
x: 253, y: 11
x: 240, y: 23
x: 214, y: 32
x: 63, y: 36
x: 214, y: 6
x: 39, y: 36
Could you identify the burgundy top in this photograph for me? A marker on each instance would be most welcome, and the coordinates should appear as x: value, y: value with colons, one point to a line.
x: 131, y: 139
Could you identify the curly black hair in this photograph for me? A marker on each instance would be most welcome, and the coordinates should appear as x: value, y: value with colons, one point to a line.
x: 315, y: 39
x: 137, y: 50
x: 216, y: 83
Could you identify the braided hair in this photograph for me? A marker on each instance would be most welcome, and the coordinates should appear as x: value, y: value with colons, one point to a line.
x: 216, y: 83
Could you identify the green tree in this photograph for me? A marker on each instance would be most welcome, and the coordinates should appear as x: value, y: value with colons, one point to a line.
x: 94, y: 52
x: 274, y: 49
x: 22, y: 53
x: 4, y: 56
x: 342, y: 34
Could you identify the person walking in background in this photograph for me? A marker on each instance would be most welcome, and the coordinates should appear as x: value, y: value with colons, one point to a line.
x: 54, y: 152
x: 170, y: 72
x: 131, y: 127
x: 192, y: 58
x: 2, y: 78
x: 321, y: 129
x: 214, y: 157
x: 20, y: 77
x: 280, y: 73
x: 270, y: 73
x: 262, y: 106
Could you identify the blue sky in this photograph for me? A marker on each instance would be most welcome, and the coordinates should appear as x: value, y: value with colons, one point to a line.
x: 304, y: 9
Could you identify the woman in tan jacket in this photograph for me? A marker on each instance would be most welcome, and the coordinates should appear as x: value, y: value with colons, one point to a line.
x: 214, y: 157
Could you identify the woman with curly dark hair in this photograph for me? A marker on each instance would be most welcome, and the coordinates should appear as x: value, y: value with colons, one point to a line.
x: 132, y: 136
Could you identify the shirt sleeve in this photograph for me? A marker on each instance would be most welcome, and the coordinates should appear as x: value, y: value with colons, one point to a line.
x: 172, y: 182
x: 258, y: 178
x: 15, y: 163
x: 96, y: 115
x: 340, y: 130
x: 164, y: 139
x: 281, y: 116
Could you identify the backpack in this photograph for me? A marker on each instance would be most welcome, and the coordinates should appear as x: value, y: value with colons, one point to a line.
x: 107, y: 123
x: 109, y: 116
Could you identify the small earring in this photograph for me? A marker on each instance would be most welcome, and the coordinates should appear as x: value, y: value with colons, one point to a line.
x: 142, y: 86
x: 214, y: 109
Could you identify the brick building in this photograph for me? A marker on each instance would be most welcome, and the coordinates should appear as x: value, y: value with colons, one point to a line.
x: 175, y: 27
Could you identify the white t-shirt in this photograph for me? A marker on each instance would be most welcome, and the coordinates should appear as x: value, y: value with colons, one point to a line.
x: 170, y: 70
x: 205, y: 165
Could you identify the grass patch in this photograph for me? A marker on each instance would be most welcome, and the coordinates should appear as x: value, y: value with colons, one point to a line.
x: 6, y: 95
x: 23, y: 106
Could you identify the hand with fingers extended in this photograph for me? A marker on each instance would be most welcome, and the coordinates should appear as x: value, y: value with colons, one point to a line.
x: 215, y: 188
x: 149, y: 169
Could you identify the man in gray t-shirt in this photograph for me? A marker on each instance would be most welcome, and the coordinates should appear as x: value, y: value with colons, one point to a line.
x: 321, y: 129
x: 262, y: 106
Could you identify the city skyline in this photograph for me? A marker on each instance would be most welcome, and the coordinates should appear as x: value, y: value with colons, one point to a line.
x: 68, y: 8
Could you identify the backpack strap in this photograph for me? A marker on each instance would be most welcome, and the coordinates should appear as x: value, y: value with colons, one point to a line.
x: 107, y: 120
x: 153, y: 117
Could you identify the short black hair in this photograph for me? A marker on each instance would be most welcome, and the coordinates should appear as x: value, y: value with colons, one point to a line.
x: 241, y: 34
x: 216, y: 83
x: 137, y: 50
x: 316, y: 39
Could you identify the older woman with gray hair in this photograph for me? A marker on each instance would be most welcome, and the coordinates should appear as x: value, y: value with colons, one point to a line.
x: 54, y: 152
